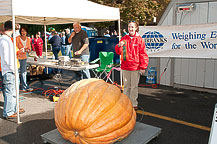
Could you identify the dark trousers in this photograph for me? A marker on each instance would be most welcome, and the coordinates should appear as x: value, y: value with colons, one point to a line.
x: 56, y: 50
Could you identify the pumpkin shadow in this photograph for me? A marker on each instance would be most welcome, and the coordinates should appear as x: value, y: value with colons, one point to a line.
x: 30, y: 132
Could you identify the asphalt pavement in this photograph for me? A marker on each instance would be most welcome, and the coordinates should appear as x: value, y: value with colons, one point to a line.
x: 185, y: 116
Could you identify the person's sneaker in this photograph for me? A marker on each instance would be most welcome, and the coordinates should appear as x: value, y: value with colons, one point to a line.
x: 13, y: 116
x: 29, y: 89
x: 135, y: 108
x: 21, y: 111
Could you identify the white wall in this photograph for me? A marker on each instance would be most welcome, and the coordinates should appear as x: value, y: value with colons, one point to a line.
x: 212, y: 12
x: 192, y: 72
x: 168, y: 20
x: 165, y: 79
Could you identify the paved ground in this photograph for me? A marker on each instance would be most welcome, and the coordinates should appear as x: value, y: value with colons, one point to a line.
x: 185, y: 116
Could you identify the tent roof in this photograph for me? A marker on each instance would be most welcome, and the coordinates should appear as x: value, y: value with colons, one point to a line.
x: 56, y: 11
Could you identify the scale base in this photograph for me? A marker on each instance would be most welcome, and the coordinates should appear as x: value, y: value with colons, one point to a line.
x: 141, y: 134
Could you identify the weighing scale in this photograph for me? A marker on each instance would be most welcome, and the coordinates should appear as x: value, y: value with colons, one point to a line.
x: 141, y: 134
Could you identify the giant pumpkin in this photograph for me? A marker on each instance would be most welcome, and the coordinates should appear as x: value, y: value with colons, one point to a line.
x: 92, y: 111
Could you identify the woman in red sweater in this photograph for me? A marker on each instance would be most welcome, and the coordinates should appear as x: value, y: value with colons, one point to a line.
x: 134, y: 60
x: 38, y: 44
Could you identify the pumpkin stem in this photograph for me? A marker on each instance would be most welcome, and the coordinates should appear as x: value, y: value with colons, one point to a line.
x: 76, y: 133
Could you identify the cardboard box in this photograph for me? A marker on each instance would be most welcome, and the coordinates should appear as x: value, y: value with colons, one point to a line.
x: 36, y: 70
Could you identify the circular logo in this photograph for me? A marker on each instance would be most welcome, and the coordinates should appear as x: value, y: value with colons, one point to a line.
x: 154, y: 40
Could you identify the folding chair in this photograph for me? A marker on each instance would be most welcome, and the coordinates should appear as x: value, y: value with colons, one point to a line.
x: 106, y: 63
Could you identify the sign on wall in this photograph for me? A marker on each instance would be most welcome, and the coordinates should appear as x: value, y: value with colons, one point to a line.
x: 189, y: 41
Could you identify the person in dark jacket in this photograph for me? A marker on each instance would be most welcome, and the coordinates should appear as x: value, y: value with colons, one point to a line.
x: 56, y: 43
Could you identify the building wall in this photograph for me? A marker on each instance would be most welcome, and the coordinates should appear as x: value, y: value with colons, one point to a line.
x: 169, y: 19
x: 187, y: 71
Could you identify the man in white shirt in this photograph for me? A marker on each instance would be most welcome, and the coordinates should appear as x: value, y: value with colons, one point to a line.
x: 8, y: 73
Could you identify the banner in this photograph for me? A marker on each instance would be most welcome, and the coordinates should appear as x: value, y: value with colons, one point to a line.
x: 187, y: 41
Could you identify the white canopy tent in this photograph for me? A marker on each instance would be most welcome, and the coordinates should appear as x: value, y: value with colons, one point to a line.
x: 46, y: 12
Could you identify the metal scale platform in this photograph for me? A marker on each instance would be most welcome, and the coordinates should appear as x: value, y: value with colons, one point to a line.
x: 141, y: 134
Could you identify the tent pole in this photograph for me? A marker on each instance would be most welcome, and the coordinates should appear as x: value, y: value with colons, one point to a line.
x: 45, y: 40
x: 119, y: 31
x: 45, y: 43
x: 15, y: 66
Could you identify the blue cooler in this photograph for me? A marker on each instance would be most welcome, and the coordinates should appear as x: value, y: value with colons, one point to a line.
x: 152, y: 76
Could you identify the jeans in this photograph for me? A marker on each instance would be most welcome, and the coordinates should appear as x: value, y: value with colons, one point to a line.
x: 56, y: 50
x: 85, y: 73
x: 63, y: 50
x: 68, y: 51
x: 23, y: 73
x: 9, y: 93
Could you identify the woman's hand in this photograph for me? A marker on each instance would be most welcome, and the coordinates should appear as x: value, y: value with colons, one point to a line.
x: 121, y: 43
x: 28, y: 50
x: 22, y: 49
x: 142, y: 72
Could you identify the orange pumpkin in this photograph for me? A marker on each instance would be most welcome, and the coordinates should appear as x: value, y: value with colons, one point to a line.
x: 92, y: 111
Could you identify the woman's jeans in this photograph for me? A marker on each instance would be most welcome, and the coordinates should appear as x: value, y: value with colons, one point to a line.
x: 23, y: 73
x: 9, y: 93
